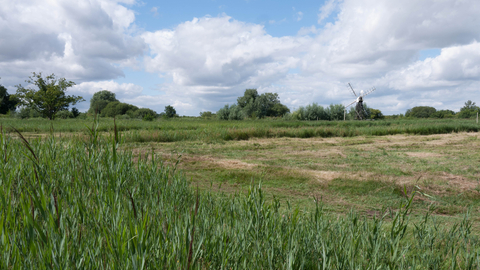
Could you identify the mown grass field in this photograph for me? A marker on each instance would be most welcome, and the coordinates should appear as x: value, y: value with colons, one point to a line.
x: 334, y: 195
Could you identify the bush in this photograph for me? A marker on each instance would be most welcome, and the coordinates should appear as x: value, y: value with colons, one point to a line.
x: 170, y: 111
x: 420, y: 112
x: 64, y: 114
x: 27, y: 112
x: 376, y: 114
x: 148, y: 117
x: 141, y: 113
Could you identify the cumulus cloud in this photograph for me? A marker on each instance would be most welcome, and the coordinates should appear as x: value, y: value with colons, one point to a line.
x: 81, y: 40
x: 209, y: 61
x: 326, y: 10
x: 369, y: 43
x: 219, y: 55
x: 299, y: 16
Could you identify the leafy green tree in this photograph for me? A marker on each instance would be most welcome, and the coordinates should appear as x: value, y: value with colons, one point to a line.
x: 223, y: 113
x: 7, y: 102
x: 75, y: 112
x: 118, y: 108
x: 420, y: 112
x: 376, y: 114
x: 50, y: 97
x: 469, y: 110
x: 335, y: 112
x: 143, y: 112
x: 443, y: 114
x: 278, y: 110
x: 170, y: 111
x: 100, y: 100
x: 64, y: 114
x: 314, y: 112
x: 469, y: 105
x: 207, y: 114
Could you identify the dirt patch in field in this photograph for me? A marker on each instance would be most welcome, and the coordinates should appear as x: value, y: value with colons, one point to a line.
x: 459, y: 182
x: 234, y: 164
x: 423, y: 154
x: 223, y: 163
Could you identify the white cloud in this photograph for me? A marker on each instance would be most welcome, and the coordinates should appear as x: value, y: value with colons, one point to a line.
x: 154, y: 10
x: 81, y: 40
x: 326, y: 10
x: 210, y: 54
x: 299, y: 16
x: 121, y: 90
x: 208, y: 62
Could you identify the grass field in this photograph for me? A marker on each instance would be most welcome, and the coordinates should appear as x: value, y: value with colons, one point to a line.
x: 333, y: 195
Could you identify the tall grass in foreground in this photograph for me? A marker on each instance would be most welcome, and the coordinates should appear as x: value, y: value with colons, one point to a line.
x: 81, y: 204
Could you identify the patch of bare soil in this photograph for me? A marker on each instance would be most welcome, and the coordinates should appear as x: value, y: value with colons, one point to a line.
x: 234, y: 164
x: 423, y: 154
x: 459, y: 182
x: 223, y: 163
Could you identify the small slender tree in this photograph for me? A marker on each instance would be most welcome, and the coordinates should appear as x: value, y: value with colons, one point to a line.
x: 50, y: 97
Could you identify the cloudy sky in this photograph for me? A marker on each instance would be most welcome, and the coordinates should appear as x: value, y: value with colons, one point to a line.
x: 198, y: 55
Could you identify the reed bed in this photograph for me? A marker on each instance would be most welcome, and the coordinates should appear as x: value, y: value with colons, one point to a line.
x: 193, y: 129
x: 80, y: 203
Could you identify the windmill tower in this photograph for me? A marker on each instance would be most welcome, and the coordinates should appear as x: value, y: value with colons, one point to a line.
x: 359, y: 110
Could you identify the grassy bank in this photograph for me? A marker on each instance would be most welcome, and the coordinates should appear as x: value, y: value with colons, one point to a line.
x: 79, y: 202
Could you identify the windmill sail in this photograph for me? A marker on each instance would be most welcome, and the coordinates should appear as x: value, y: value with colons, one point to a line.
x: 352, y: 89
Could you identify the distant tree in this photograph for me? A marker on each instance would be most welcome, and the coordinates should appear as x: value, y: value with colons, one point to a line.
x: 100, y: 100
x: 376, y: 114
x: 313, y: 112
x: 223, y: 113
x: 420, y: 112
x: 469, y: 105
x: 335, y: 112
x: 278, y: 110
x: 247, y: 102
x: 207, y: 114
x: 75, y: 112
x: 443, y: 114
x: 469, y: 110
x: 118, y: 108
x: 7, y: 102
x: 50, y: 97
x: 144, y: 112
x: 65, y: 114
x: 170, y: 111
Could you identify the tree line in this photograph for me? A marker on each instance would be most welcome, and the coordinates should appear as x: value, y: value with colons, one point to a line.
x: 48, y: 99
x: 252, y: 105
x: 469, y: 110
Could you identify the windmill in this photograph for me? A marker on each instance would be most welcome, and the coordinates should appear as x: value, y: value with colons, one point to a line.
x: 359, y: 110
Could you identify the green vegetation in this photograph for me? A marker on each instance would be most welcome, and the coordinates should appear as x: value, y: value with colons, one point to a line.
x: 100, y: 100
x: 50, y: 97
x: 253, y: 105
x: 106, y: 104
x: 420, y: 112
x: 8, y: 103
x: 195, y: 129
x: 82, y: 202
x: 470, y: 110
x: 170, y: 112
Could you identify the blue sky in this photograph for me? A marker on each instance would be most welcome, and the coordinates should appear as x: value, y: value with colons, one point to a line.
x: 200, y: 55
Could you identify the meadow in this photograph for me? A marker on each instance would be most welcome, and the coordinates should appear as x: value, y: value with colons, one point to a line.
x: 265, y: 194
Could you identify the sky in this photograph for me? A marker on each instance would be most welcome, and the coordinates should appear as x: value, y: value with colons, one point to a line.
x: 198, y: 55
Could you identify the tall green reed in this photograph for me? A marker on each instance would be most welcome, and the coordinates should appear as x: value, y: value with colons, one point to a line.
x: 67, y: 205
